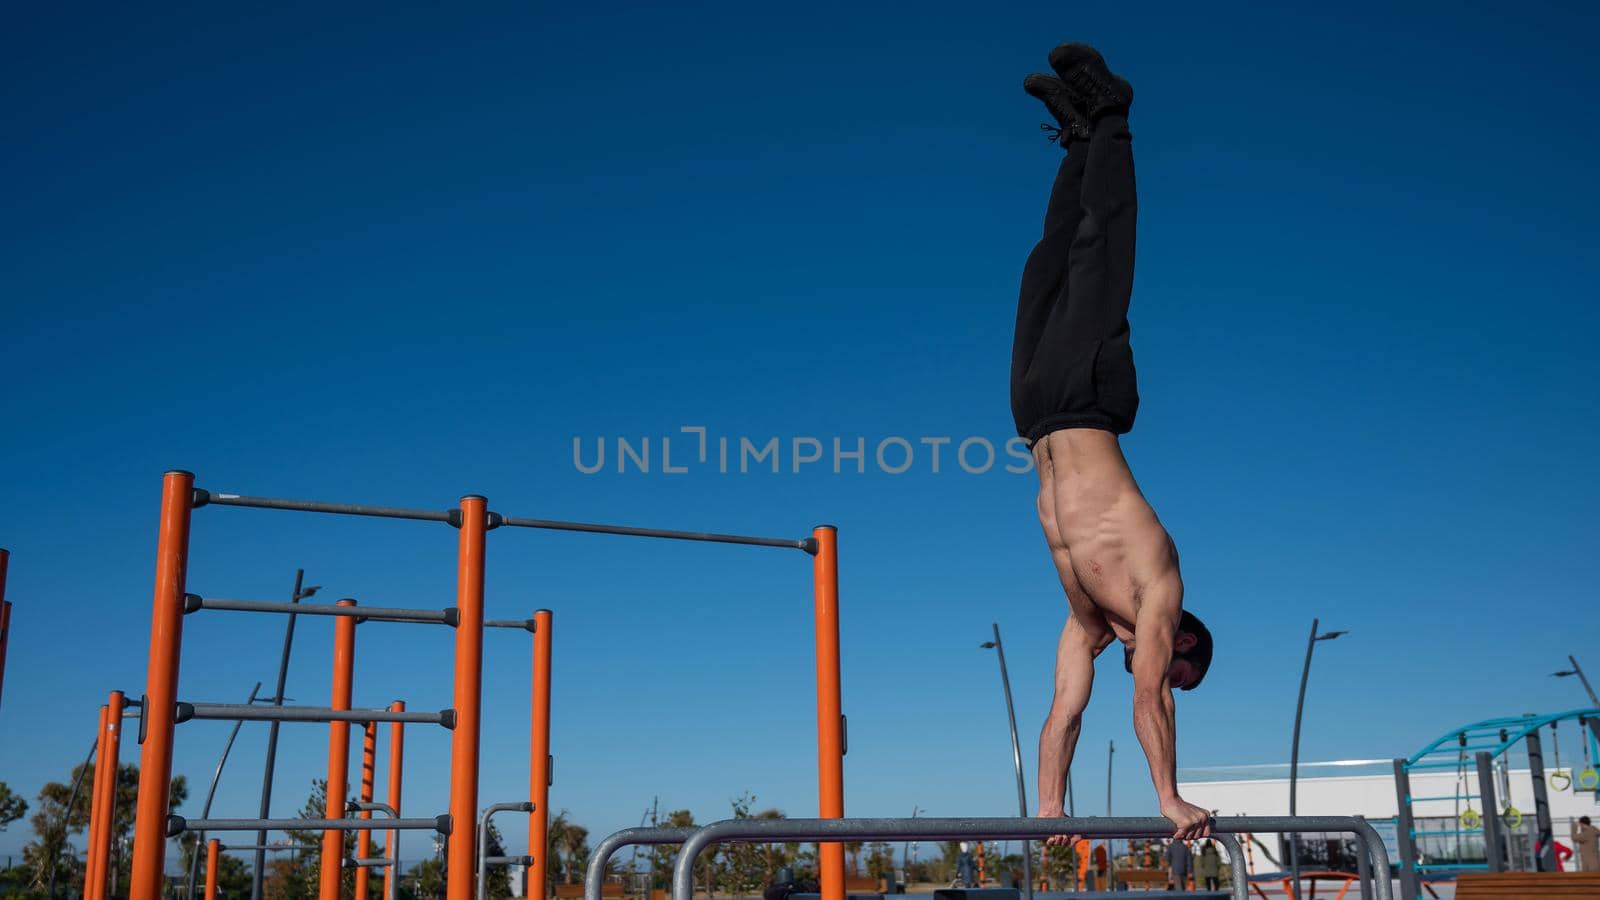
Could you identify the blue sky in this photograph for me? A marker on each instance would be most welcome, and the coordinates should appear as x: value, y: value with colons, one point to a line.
x: 396, y: 254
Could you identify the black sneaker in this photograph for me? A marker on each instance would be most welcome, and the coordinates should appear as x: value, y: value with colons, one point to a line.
x: 1048, y: 89
x: 1094, y: 88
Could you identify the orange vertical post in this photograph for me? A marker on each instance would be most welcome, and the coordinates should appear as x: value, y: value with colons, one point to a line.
x: 344, y: 657
x: 161, y: 687
x: 109, y: 759
x: 539, y: 759
x: 369, y: 764
x: 96, y: 807
x: 213, y: 850
x: 5, y: 617
x: 830, y: 715
x: 391, y: 849
x: 470, y: 550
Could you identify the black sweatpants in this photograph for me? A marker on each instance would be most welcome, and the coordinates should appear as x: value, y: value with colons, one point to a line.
x: 1071, y: 363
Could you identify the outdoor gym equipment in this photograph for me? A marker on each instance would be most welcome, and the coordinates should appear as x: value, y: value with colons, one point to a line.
x: 472, y: 520
x: 777, y: 830
x: 5, y: 618
x: 1487, y: 741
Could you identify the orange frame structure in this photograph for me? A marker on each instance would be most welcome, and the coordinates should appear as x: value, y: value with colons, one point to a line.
x: 473, y: 521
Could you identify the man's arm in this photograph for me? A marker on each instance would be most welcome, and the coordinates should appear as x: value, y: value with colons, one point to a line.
x: 1154, y: 718
x: 1075, y: 654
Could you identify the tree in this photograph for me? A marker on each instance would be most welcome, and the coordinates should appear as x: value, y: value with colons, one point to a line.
x: 852, y: 850
x: 53, y: 823
x: 12, y: 807
x: 300, y: 876
x: 880, y: 860
x: 664, y: 856
x: 497, y: 879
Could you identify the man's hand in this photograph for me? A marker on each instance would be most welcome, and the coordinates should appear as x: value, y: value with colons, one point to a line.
x: 1191, y: 821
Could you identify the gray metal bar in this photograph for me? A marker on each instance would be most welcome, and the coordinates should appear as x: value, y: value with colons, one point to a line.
x: 520, y: 624
x: 1545, y: 845
x: 483, y: 839
x: 204, y: 498
x: 594, y: 877
x: 1494, y: 851
x: 838, y: 830
x: 193, y: 602
x: 1364, y: 868
x: 262, y: 848
x: 246, y: 713
x: 508, y: 860
x: 555, y: 525
x: 372, y: 806
x: 1404, y: 826
x: 376, y: 862
x: 257, y: 874
x: 177, y: 825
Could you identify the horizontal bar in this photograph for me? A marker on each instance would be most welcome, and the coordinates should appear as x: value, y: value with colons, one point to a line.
x: 244, y: 712
x: 1452, y: 865
x: 1446, y: 797
x: 177, y: 825
x: 447, y: 616
x: 594, y: 874
x: 1437, y: 765
x: 373, y: 863
x: 1451, y: 833
x: 268, y: 846
x: 508, y: 860
x: 520, y: 624
x: 554, y: 525
x: 204, y: 498
x: 371, y: 806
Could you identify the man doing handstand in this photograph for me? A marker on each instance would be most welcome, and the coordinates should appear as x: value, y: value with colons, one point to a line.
x: 1073, y: 391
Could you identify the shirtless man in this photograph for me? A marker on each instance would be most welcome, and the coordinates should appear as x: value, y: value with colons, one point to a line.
x: 1073, y: 391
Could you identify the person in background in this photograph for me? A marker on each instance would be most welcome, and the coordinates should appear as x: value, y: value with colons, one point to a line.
x: 1178, y: 860
x: 1208, y: 870
x: 966, y: 867
x: 1587, y: 837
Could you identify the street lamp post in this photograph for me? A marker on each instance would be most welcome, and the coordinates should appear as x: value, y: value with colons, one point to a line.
x: 1294, y: 752
x: 1578, y: 671
x: 1016, y: 754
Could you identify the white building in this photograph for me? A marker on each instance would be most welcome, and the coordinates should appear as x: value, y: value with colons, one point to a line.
x: 1367, y: 788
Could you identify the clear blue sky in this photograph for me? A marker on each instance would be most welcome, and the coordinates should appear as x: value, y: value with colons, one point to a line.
x: 396, y: 254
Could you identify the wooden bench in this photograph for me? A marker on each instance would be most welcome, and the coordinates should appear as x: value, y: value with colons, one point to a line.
x: 1142, y: 879
x: 862, y: 884
x: 1529, y: 885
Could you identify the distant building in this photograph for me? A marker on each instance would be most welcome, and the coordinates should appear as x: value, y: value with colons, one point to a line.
x: 1366, y: 788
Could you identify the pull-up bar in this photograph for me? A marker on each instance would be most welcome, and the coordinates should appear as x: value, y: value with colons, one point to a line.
x: 204, y: 497
x: 447, y: 616
x: 235, y: 712
x: 177, y: 824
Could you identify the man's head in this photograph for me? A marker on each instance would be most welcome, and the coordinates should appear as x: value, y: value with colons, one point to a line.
x: 1583, y: 819
x: 1191, y: 654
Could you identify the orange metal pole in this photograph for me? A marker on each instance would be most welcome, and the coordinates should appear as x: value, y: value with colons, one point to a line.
x: 462, y: 857
x: 161, y: 687
x: 106, y: 800
x: 96, y: 807
x: 539, y: 759
x: 213, y: 848
x: 344, y: 657
x: 5, y: 617
x: 830, y: 716
x: 397, y: 743
x: 369, y: 765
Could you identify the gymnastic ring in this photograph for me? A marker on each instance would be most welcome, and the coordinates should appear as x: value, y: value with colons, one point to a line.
x: 1560, y: 780
x: 1589, y: 778
x: 1512, y: 817
x: 1470, y: 819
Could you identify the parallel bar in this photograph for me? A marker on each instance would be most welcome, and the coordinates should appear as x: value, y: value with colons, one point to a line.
x: 177, y: 825
x: 765, y: 830
x: 379, y: 613
x: 484, y: 860
x: 240, y: 711
x: 594, y: 876
x: 520, y: 624
x: 363, y: 864
x: 204, y: 498
x: 555, y: 525
x: 508, y: 860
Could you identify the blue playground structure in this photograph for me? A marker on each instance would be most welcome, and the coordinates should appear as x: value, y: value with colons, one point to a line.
x: 1482, y: 746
